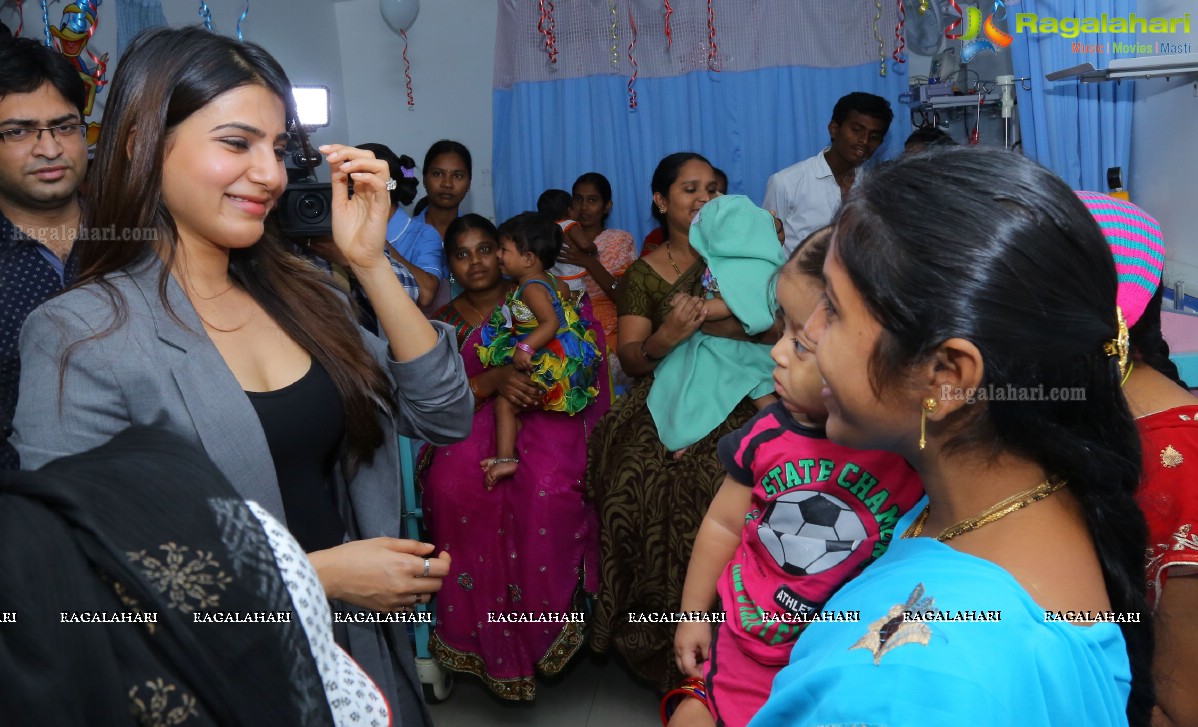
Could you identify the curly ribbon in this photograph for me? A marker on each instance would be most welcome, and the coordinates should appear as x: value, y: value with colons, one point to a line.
x: 669, y: 35
x: 711, y: 61
x: 552, y: 35
x: 632, y: 62
x: 101, y: 65
x: 244, y: 13
x: 46, y: 24
x: 615, y: 38
x: 407, y: 71
x: 948, y: 32
x: 878, y: 37
x: 20, y: 18
x: 545, y: 28
x: 900, y: 40
x: 206, y: 15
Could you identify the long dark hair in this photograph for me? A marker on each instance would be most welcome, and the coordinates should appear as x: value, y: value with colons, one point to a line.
x: 666, y: 174
x: 405, y: 186
x: 165, y: 76
x: 1148, y: 345
x: 1025, y: 274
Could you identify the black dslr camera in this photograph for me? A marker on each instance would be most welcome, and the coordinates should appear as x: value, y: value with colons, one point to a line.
x: 306, y: 207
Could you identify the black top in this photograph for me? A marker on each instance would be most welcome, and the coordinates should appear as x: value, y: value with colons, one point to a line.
x: 102, y: 523
x: 304, y: 425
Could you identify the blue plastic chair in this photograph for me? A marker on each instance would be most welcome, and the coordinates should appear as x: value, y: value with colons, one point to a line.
x: 437, y: 682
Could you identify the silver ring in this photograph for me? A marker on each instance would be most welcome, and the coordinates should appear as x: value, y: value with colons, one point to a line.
x: 391, y: 185
x: 426, y: 567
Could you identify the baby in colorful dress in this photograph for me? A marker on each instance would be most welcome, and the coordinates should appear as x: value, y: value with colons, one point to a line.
x: 536, y: 332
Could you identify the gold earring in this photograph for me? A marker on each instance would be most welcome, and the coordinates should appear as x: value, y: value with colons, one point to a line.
x: 929, y: 406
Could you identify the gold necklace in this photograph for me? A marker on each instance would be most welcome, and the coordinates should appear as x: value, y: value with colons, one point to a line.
x: 481, y: 317
x: 243, y: 324
x: 213, y: 297
x: 996, y: 512
x: 673, y: 264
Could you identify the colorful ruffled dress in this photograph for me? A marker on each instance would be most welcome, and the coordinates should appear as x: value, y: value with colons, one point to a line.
x: 566, y: 368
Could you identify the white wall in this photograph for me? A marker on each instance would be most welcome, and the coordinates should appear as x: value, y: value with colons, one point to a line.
x: 347, y: 47
x: 1164, y: 151
x: 452, y: 52
x: 295, y: 32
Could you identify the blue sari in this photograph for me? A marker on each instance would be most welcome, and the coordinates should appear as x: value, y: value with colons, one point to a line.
x: 997, y: 662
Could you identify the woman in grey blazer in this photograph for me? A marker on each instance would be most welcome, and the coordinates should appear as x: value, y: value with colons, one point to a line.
x: 192, y: 317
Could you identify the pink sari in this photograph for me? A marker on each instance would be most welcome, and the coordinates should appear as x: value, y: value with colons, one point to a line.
x: 528, y: 546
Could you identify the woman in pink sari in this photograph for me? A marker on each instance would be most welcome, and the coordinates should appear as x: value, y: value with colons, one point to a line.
x: 530, y: 545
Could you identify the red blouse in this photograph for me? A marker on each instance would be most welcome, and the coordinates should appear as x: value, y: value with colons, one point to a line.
x: 1169, y: 492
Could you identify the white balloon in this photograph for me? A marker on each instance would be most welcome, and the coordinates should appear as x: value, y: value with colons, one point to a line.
x: 399, y: 14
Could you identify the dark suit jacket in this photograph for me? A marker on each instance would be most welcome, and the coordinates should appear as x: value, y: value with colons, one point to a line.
x: 156, y: 371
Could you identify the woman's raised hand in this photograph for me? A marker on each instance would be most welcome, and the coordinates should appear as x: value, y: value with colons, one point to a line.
x: 359, y: 222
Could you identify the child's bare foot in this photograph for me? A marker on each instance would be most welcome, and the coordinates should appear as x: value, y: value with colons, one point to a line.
x: 680, y: 454
x: 497, y: 468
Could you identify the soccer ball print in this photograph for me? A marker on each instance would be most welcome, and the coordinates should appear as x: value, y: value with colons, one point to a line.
x: 809, y: 532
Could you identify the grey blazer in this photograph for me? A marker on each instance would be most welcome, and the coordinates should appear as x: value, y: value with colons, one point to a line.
x: 157, y: 371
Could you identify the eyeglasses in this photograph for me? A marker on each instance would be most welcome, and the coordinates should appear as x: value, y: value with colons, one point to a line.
x: 60, y: 133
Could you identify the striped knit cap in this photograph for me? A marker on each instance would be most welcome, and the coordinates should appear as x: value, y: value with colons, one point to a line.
x: 1139, y: 250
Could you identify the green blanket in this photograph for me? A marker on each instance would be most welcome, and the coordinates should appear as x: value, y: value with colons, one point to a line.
x: 702, y: 380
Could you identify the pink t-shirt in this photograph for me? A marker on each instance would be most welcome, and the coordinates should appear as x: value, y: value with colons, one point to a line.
x: 820, y: 514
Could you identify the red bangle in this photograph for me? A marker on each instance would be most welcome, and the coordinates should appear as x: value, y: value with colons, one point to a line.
x: 690, y: 687
x: 526, y: 348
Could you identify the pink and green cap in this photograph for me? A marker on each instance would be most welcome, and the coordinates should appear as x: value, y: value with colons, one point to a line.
x: 1138, y: 246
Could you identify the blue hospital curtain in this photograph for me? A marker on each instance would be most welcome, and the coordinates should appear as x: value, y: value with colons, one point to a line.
x: 756, y: 103
x: 1075, y: 129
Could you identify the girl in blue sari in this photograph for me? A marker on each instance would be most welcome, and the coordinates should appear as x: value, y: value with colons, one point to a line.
x: 989, y: 353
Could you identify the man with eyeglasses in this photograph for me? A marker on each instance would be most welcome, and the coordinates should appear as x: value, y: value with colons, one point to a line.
x: 43, y: 159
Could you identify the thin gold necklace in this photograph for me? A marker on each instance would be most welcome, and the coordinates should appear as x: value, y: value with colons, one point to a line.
x: 481, y: 317
x: 213, y: 297
x: 996, y: 512
x: 673, y: 264
x: 243, y: 324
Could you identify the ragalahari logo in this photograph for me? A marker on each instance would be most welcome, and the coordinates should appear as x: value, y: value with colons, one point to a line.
x: 1072, y: 28
x: 994, y: 37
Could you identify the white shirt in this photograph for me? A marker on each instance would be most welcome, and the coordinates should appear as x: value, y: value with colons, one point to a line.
x: 805, y: 196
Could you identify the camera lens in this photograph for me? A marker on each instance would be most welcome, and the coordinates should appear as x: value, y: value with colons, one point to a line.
x: 311, y: 208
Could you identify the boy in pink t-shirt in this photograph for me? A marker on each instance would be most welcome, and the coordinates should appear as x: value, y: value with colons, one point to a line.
x: 796, y: 518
